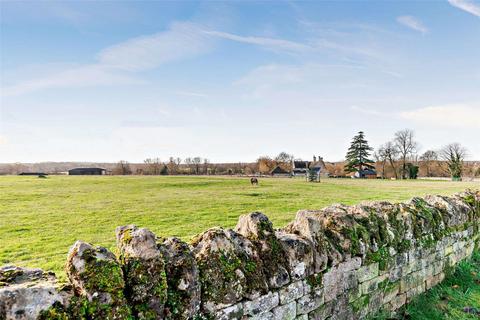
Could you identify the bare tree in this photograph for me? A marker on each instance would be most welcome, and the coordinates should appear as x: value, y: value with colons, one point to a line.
x: 122, y: 168
x: 406, y: 146
x: 454, y: 154
x: 391, y: 152
x: 284, y: 160
x: 265, y: 164
x: 428, y: 158
x: 380, y: 156
x: 173, y: 165
x: 153, y: 166
x: 189, y: 163
x: 206, y: 164
x: 197, y: 161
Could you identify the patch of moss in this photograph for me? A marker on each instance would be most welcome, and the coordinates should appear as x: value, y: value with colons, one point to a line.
x: 55, y: 312
x: 102, y: 275
x: 360, y: 303
x: 404, y: 245
x: 382, y: 256
x: 315, y: 280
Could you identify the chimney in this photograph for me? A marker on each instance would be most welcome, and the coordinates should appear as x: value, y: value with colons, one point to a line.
x: 314, y: 159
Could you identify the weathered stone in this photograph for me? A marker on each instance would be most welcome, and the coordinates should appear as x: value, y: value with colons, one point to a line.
x: 259, y: 230
x: 411, y: 281
x: 144, y: 271
x: 350, y: 265
x: 310, y: 302
x: 398, y: 301
x: 415, y: 291
x: 300, y: 254
x: 434, y: 280
x: 367, y: 272
x: 308, y: 224
x: 230, y: 268
x: 262, y: 304
x: 291, y: 292
x: 229, y: 313
x: 183, y: 281
x: 97, y: 277
x: 372, y: 284
x: 322, y: 313
x: 390, y: 291
x: 262, y: 316
x: 285, y: 312
x: 28, y: 293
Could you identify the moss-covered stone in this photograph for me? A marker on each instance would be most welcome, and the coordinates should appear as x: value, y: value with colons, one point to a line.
x: 259, y: 230
x: 144, y: 271
x: 97, y: 279
x: 226, y: 263
x: 183, y: 280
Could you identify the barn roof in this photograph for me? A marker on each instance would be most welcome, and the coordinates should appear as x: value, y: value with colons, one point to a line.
x: 85, y: 169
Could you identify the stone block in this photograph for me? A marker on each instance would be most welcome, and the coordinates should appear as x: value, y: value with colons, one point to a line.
x: 261, y: 305
x: 230, y: 313
x: 310, y: 302
x: 262, y: 316
x: 97, y: 277
x: 291, y: 292
x: 372, y: 284
x: 434, y: 280
x: 411, y: 281
x: 144, y: 271
x: 367, y: 272
x: 26, y: 293
x: 285, y: 312
x: 415, y: 291
x: 398, y: 301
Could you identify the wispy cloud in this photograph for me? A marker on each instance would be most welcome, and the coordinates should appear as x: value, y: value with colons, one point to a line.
x: 466, y: 5
x: 456, y: 115
x: 271, y: 43
x: 116, y: 63
x: 181, y: 41
x: 82, y: 76
x: 412, y: 23
x: 192, y: 94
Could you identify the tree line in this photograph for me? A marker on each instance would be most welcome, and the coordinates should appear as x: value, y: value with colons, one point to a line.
x: 400, y: 157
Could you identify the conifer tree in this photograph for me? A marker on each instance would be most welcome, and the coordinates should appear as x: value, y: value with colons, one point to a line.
x: 358, y: 153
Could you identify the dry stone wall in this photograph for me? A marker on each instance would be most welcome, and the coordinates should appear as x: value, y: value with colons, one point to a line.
x: 341, y: 262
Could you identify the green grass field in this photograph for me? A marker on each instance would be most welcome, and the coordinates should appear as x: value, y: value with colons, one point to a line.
x: 41, y: 218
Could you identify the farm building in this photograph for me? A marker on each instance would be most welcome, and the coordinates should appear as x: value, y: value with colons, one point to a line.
x: 87, y: 171
x: 33, y: 174
x: 279, y: 172
x: 366, y: 174
x: 301, y: 168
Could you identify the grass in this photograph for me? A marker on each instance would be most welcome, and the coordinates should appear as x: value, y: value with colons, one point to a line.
x: 447, y: 301
x: 41, y: 218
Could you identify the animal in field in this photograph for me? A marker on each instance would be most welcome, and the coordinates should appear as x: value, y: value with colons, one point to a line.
x: 254, y: 181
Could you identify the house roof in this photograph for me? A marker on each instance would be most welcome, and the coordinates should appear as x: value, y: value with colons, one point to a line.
x: 298, y: 164
x: 80, y: 169
x: 367, y: 171
x: 279, y: 170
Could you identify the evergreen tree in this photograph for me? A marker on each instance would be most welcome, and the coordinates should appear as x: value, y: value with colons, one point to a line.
x: 358, y: 153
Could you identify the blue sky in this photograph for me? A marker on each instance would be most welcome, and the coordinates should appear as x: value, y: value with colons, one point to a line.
x: 230, y: 81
